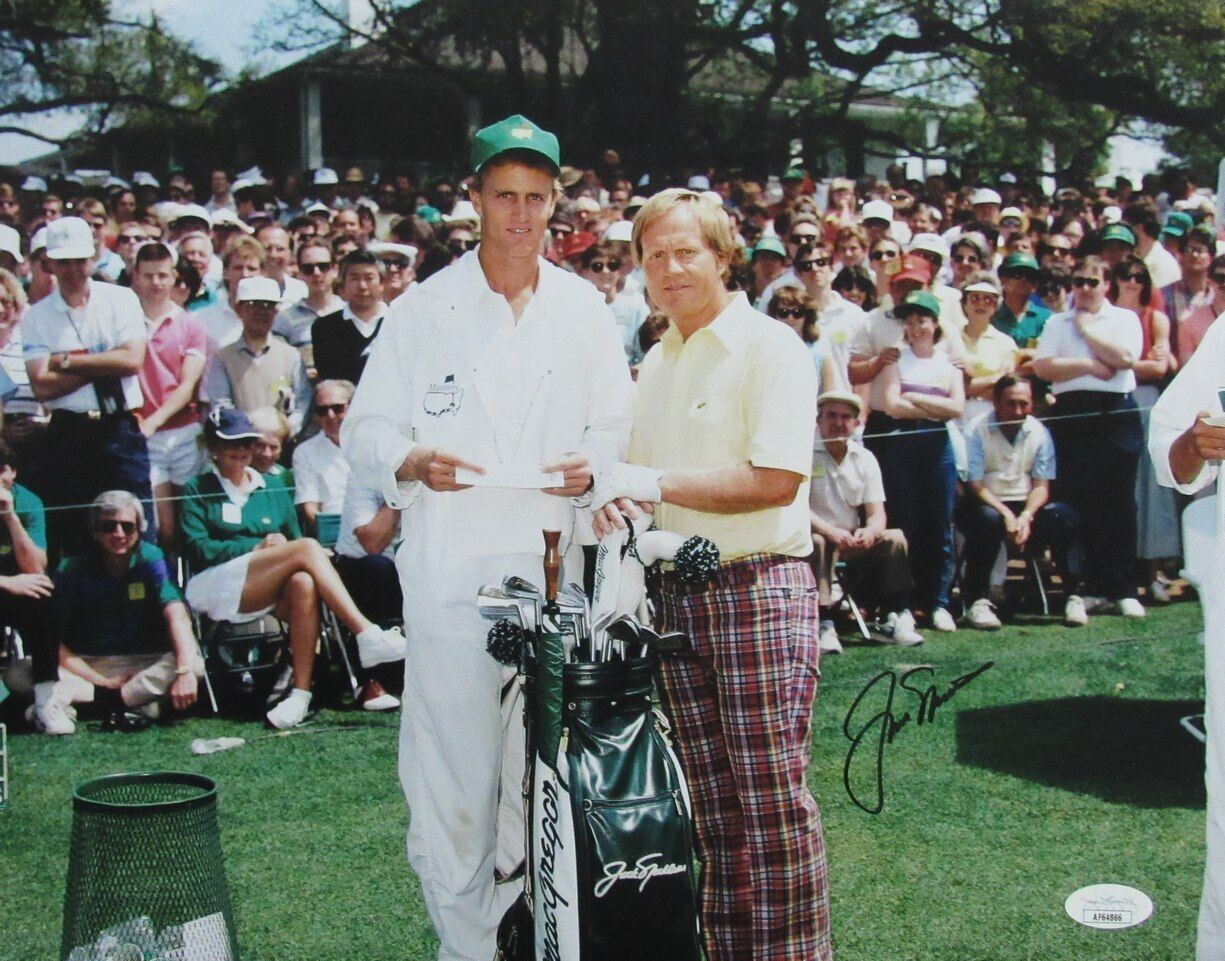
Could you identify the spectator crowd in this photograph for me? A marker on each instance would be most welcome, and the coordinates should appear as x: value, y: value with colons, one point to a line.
x: 176, y: 364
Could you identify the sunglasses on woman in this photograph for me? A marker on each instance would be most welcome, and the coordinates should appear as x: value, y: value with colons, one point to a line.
x: 599, y: 266
x: 804, y: 266
x: 105, y: 527
x: 965, y: 258
x: 1135, y: 278
x: 791, y: 313
x: 885, y: 254
x: 1091, y: 282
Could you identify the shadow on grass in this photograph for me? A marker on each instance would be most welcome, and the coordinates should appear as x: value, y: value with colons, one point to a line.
x: 1123, y: 751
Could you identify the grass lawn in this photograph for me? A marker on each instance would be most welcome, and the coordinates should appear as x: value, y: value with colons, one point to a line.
x: 1060, y: 766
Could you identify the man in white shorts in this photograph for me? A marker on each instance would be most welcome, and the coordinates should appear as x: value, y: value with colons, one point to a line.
x: 174, y: 363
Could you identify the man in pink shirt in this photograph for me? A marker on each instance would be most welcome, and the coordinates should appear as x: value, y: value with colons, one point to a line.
x: 1195, y: 323
x: 174, y: 363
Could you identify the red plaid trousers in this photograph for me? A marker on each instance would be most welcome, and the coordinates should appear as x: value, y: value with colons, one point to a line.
x: 741, y: 703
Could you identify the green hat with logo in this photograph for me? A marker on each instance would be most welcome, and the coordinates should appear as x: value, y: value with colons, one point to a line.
x: 792, y: 173
x: 1120, y: 232
x: 514, y: 133
x: 770, y: 245
x: 1178, y: 224
x: 919, y: 300
x: 1019, y: 263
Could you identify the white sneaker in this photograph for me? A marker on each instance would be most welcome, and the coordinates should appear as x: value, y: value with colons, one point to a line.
x: 942, y: 620
x: 1159, y: 592
x: 982, y: 616
x: 1074, y: 613
x: 828, y: 639
x: 381, y: 645
x: 900, y: 630
x: 290, y: 712
x: 53, y: 717
x: 1130, y: 607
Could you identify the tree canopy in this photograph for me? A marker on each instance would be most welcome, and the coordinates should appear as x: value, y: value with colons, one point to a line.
x: 632, y: 71
x: 79, y: 55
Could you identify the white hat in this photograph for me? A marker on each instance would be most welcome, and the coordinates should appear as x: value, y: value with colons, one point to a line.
x: 380, y: 247
x: 38, y: 241
x: 113, y: 181
x: 70, y: 238
x: 877, y: 210
x: 225, y: 217
x: 242, y: 183
x: 1110, y: 215
x: 848, y: 397
x: 620, y: 230
x: 325, y: 177
x: 253, y: 176
x: 586, y: 205
x: 982, y: 287
x: 10, y: 242
x: 699, y: 182
x: 258, y: 288
x: 1013, y: 212
x: 932, y: 243
x: 191, y: 212
x: 34, y: 185
x: 462, y: 211
x: 985, y: 195
x: 142, y: 178
x: 318, y: 208
x: 714, y: 197
x: 1008, y: 178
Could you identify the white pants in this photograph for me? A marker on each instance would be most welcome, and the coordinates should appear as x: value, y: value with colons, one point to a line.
x: 1210, y: 945
x: 462, y: 754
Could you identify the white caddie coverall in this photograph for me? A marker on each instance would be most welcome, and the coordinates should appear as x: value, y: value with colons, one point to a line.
x: 453, y: 370
x: 1196, y: 389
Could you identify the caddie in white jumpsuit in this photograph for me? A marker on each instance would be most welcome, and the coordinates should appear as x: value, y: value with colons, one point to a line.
x: 504, y: 363
x: 1186, y: 452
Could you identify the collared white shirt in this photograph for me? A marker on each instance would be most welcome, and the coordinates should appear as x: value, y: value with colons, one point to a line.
x: 239, y: 494
x: 840, y: 321
x: 1008, y: 468
x: 1061, y: 339
x: 365, y: 327
x: 838, y: 491
x: 294, y: 322
x: 220, y: 321
x: 112, y: 316
x: 320, y: 474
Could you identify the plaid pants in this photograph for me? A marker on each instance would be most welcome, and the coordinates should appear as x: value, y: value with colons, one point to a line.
x: 741, y: 702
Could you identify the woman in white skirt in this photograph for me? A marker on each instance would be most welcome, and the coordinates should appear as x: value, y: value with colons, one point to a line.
x: 242, y: 539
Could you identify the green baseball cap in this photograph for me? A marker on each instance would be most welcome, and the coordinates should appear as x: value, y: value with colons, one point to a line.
x: 918, y: 300
x: 1178, y: 224
x: 1119, y: 232
x: 1015, y: 263
x: 770, y: 245
x: 792, y: 173
x: 514, y: 133
x: 431, y: 215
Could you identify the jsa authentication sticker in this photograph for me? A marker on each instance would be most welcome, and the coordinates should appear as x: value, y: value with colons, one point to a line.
x: 1109, y: 906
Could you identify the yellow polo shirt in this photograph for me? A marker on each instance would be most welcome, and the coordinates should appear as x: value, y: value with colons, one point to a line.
x: 742, y: 389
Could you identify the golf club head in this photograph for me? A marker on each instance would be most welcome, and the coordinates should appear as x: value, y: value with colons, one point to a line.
x: 514, y: 584
x: 496, y: 604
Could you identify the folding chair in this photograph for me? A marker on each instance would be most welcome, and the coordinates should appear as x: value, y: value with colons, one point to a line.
x: 846, y: 600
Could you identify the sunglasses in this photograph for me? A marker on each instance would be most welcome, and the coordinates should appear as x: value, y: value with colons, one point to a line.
x: 965, y: 258
x: 804, y: 266
x: 599, y: 266
x: 1050, y: 289
x: 803, y: 238
x: 980, y: 297
x: 885, y: 254
x: 315, y: 267
x: 1091, y: 282
x: 456, y: 245
x: 796, y: 313
x: 1135, y: 278
x: 106, y: 527
x: 131, y: 238
x: 336, y: 409
x: 396, y: 264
